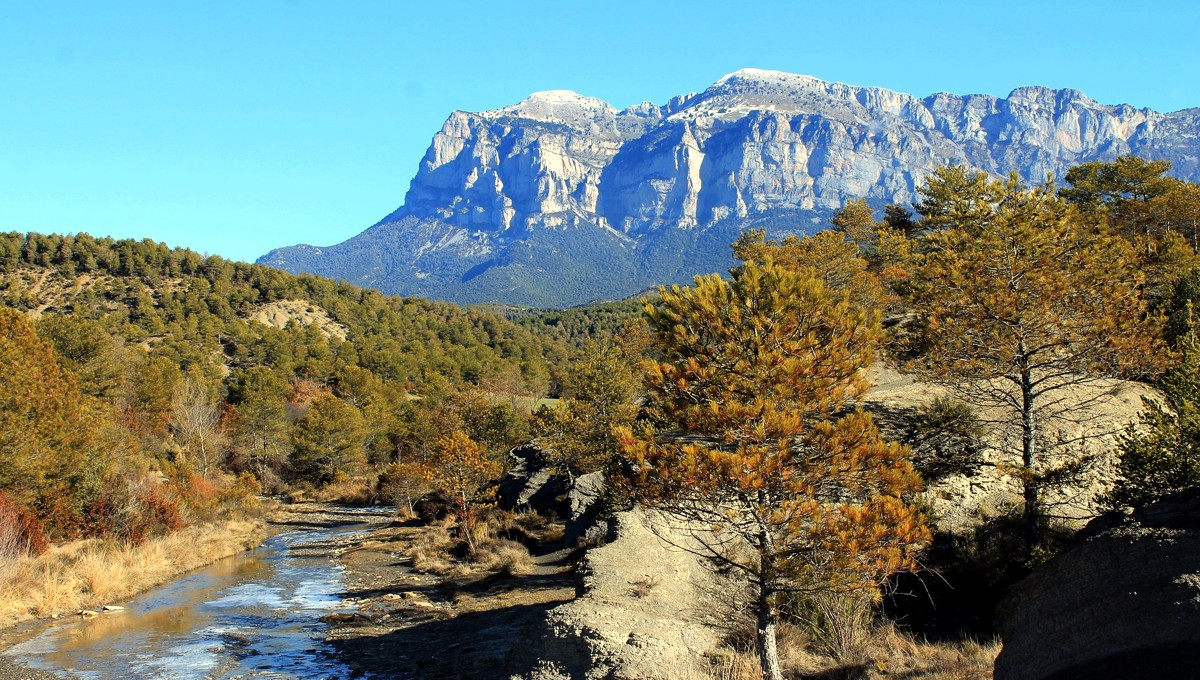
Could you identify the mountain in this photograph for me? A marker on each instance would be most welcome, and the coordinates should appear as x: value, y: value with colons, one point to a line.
x: 563, y: 199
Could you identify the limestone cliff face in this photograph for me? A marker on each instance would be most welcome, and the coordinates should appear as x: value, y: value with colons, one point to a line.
x: 758, y: 148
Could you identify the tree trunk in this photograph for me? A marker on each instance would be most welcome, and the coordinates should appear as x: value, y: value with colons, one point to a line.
x: 465, y: 521
x: 1031, y: 517
x: 768, y: 653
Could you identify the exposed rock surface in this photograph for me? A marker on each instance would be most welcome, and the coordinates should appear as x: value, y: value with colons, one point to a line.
x: 585, y: 507
x: 1087, y: 418
x: 649, y: 609
x: 301, y: 312
x: 529, y: 485
x: 1122, y: 603
x: 562, y: 198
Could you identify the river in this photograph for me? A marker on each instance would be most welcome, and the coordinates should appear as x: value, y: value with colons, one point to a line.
x: 254, y: 615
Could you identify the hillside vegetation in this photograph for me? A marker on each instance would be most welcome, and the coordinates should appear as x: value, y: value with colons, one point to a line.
x: 127, y: 363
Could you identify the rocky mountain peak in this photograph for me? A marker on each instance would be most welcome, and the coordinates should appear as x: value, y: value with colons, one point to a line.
x: 757, y: 78
x: 557, y: 106
x: 562, y: 198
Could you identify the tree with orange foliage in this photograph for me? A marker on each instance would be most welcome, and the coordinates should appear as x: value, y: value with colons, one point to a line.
x: 47, y: 428
x: 462, y: 470
x: 829, y: 255
x: 1022, y: 302
x: 784, y: 485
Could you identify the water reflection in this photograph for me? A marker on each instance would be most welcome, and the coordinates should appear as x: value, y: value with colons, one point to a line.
x: 250, y: 616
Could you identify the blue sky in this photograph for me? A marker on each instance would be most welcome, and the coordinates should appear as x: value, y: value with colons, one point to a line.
x: 236, y: 127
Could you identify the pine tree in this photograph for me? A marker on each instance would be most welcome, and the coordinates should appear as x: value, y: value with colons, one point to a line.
x: 1163, y: 455
x: 577, y: 435
x: 1021, y: 302
x: 802, y: 497
x: 48, y: 430
x: 328, y: 438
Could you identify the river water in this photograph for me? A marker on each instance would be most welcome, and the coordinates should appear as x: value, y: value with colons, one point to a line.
x: 255, y: 615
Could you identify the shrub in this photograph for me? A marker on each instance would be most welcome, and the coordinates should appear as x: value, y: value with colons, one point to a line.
x: 20, y: 532
x: 945, y: 438
x: 503, y: 556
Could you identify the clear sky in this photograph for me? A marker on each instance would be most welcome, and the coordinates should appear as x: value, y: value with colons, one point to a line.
x: 236, y: 127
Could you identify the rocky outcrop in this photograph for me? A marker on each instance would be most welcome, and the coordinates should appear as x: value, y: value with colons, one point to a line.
x: 648, y: 608
x: 1124, y: 602
x: 531, y: 486
x: 1086, y: 420
x: 563, y: 198
x: 280, y: 313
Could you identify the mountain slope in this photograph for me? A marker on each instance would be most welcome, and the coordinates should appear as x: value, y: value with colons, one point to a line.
x: 563, y: 199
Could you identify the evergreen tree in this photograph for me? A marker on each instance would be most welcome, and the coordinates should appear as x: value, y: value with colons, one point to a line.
x: 327, y: 439
x: 48, y: 430
x: 799, y: 495
x: 577, y: 435
x: 1022, y: 302
x: 1163, y: 456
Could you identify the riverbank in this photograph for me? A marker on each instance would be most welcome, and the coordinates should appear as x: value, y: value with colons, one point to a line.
x: 636, y: 600
x: 173, y: 558
x: 87, y: 574
x: 458, y: 625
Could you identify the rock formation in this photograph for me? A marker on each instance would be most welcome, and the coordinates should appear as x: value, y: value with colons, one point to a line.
x: 648, y: 608
x: 563, y: 199
x: 1124, y: 602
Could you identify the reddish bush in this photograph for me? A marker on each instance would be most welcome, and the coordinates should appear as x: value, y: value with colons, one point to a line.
x: 20, y: 531
x: 154, y: 514
x: 62, y: 513
x: 125, y: 513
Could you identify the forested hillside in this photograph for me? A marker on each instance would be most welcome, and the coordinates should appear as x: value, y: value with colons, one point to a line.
x: 130, y: 363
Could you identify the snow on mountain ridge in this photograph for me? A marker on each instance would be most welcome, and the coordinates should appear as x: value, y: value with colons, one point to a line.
x: 557, y: 106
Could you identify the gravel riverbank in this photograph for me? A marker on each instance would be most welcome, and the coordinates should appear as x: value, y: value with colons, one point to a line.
x: 425, y: 626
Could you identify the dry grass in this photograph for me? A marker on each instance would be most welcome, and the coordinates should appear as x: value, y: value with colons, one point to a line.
x: 430, y: 553
x: 735, y: 667
x: 436, y: 551
x: 888, y: 652
x: 883, y: 652
x: 91, y: 573
x: 342, y: 490
x: 503, y: 556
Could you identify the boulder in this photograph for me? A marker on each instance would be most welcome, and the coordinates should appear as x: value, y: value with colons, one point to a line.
x: 530, y: 486
x: 584, y: 509
x: 647, y: 608
x: 1123, y: 602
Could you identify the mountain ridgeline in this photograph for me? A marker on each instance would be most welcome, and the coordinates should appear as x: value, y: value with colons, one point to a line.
x: 563, y: 199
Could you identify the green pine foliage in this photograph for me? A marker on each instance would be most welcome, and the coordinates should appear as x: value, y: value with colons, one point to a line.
x: 577, y: 326
x: 194, y: 309
x: 1163, y: 455
x: 185, y: 389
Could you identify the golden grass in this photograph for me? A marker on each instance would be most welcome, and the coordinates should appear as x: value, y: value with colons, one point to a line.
x: 503, y: 556
x: 92, y: 573
x: 884, y: 652
x: 434, y: 551
x: 430, y: 553
x: 342, y: 490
